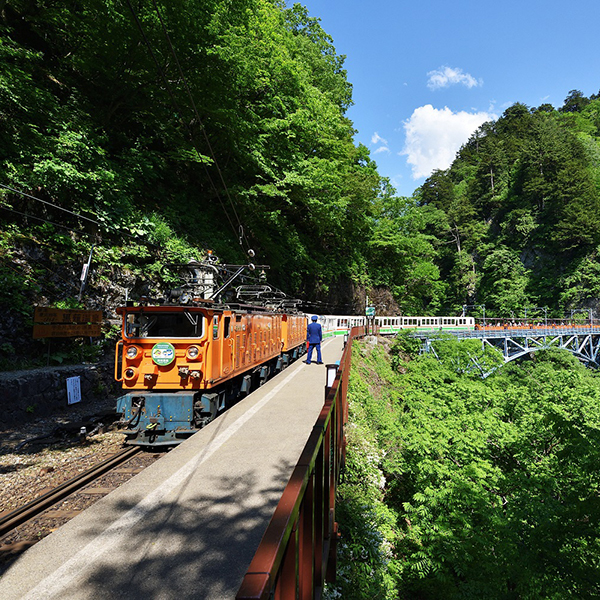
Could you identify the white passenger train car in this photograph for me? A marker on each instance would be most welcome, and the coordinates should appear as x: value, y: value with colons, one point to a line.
x: 390, y: 325
x: 335, y: 325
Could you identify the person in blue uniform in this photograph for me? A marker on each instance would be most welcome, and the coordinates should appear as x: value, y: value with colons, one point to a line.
x: 314, y: 335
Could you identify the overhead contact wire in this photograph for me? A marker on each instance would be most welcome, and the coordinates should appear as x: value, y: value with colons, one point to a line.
x: 202, y: 128
x: 177, y: 107
x: 50, y: 204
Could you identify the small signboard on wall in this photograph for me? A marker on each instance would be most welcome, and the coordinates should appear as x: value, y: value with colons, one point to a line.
x: 57, y: 322
x: 73, y: 390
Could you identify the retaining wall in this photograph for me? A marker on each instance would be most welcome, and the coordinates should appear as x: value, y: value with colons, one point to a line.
x: 26, y: 395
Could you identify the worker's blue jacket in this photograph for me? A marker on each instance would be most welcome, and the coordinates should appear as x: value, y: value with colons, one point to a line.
x: 314, y: 333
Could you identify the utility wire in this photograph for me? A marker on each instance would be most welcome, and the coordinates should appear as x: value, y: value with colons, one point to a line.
x: 123, y: 233
x: 49, y: 204
x: 26, y: 215
x: 177, y: 107
x: 203, y: 129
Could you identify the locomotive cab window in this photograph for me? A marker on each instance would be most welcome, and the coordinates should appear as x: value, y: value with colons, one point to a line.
x: 168, y: 325
x: 226, y: 327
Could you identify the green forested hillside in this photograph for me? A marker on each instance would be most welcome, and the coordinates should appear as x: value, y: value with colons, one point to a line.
x: 96, y: 117
x: 167, y: 128
x: 516, y: 218
x: 171, y: 128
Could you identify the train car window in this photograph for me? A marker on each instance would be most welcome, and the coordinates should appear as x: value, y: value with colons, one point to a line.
x: 226, y: 327
x: 168, y: 324
x: 215, y: 327
x: 238, y: 318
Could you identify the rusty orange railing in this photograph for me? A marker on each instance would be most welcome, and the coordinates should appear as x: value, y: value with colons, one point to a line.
x: 297, y: 553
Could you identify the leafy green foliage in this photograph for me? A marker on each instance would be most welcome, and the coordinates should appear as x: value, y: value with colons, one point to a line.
x: 520, y: 205
x: 492, y: 485
x: 89, y: 123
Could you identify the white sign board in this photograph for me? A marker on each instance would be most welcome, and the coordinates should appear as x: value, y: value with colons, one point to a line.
x: 73, y: 390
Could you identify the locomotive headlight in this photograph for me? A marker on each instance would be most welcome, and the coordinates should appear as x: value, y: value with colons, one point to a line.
x: 193, y: 352
x: 130, y: 373
x: 132, y: 351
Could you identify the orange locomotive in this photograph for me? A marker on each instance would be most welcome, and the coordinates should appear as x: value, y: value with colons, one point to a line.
x: 182, y: 365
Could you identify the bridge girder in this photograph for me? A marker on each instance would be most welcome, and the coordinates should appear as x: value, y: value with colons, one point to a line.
x: 583, y: 343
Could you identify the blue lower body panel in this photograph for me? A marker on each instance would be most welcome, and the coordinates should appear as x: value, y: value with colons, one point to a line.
x: 155, y: 418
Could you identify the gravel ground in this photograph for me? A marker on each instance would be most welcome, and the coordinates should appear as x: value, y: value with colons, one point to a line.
x: 29, y: 471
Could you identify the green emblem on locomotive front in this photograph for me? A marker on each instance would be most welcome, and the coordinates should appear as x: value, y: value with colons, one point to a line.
x: 163, y: 354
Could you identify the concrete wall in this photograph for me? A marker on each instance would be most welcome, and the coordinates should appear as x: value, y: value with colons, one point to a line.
x: 27, y: 395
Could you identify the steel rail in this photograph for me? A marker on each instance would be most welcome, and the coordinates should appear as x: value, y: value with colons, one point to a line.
x: 21, y: 515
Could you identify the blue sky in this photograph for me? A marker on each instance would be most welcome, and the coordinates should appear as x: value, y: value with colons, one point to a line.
x: 427, y: 73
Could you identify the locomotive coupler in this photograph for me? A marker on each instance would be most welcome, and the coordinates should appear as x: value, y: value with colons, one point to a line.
x: 137, y: 403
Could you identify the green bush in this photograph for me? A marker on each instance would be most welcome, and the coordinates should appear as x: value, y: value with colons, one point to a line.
x: 459, y: 487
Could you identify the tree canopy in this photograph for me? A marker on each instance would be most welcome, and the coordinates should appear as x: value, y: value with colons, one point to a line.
x: 158, y: 130
x: 521, y: 210
x: 458, y: 487
x: 226, y: 121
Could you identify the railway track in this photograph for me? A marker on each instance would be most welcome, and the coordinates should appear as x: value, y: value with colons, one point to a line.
x: 23, y: 527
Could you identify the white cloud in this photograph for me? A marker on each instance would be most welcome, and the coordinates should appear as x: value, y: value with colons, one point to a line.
x: 433, y: 137
x: 447, y: 76
x: 376, y: 139
x: 382, y: 149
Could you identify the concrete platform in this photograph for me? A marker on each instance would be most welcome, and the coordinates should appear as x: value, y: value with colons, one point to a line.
x: 189, y: 525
